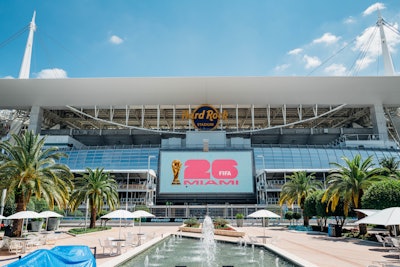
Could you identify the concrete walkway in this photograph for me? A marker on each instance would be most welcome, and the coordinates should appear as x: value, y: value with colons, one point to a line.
x: 314, y: 248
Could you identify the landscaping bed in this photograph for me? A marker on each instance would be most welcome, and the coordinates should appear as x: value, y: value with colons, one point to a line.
x: 220, y: 228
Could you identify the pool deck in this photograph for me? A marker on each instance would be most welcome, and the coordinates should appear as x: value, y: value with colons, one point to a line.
x: 312, y: 249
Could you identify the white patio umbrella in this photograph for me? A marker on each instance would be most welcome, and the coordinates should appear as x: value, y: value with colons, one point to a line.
x: 27, y: 214
x: 118, y: 214
x: 263, y: 214
x: 142, y: 214
x: 386, y: 217
x: 48, y: 213
x: 367, y: 211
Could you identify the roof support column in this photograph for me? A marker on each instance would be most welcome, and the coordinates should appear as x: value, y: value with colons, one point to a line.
x: 143, y: 110
x: 252, y: 117
x: 379, y: 122
x: 237, y: 117
x: 35, y: 120
x: 158, y: 117
x: 221, y: 121
x: 173, y: 119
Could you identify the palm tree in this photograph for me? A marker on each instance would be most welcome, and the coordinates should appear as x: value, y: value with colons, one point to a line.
x: 28, y: 169
x: 349, y: 182
x: 97, y: 187
x: 390, y: 167
x: 298, y: 188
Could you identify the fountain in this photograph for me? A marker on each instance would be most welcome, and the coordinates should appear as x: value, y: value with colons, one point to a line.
x: 208, y: 242
x: 181, y: 251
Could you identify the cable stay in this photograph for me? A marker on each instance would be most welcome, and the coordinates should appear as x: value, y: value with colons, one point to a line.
x: 362, y: 56
x: 14, y: 36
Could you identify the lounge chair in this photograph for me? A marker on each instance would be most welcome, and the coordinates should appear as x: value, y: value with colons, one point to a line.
x: 396, y: 245
x: 15, y: 246
x: 384, y: 240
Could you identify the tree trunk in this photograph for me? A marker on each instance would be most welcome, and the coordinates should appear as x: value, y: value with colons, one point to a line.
x: 17, y: 224
x: 362, y: 227
x: 306, y: 221
x: 93, y: 214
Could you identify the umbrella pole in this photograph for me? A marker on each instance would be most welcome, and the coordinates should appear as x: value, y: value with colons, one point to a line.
x: 264, y: 229
x: 119, y: 235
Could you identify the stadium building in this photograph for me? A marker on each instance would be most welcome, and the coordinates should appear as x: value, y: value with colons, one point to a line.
x: 206, y: 140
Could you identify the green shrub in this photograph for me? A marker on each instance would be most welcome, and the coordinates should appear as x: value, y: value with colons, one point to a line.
x: 289, y: 215
x: 382, y: 195
x: 220, y: 223
x: 296, y: 216
x: 192, y: 222
x: 78, y: 231
x: 239, y: 216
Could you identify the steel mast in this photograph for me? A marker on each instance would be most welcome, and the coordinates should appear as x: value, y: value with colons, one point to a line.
x: 387, y: 59
x: 26, y: 61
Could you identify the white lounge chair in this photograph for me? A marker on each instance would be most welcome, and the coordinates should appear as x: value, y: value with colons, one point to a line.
x: 15, y: 246
x: 385, y: 241
x: 396, y: 245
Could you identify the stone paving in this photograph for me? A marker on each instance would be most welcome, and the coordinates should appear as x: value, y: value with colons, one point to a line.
x: 314, y: 249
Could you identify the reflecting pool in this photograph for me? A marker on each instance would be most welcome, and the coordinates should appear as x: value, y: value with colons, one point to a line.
x: 190, y: 252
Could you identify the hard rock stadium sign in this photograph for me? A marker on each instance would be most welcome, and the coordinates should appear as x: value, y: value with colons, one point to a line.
x: 205, y: 117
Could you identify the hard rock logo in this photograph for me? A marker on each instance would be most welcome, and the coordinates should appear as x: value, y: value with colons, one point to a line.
x: 205, y: 117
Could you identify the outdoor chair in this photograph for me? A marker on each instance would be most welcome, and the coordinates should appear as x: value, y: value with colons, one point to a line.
x: 15, y: 246
x: 396, y: 244
x: 141, y: 239
x: 51, y: 239
x: 33, y: 242
x: 129, y: 237
x: 6, y: 242
x: 384, y: 240
x: 107, y: 244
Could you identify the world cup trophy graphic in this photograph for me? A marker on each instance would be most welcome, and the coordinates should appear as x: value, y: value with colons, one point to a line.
x: 176, y: 167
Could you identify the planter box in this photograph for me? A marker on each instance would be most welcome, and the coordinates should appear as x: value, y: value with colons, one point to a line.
x: 36, y: 226
x: 216, y: 231
x: 190, y: 229
x: 53, y: 223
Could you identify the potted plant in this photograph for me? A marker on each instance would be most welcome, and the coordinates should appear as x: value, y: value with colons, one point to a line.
x: 239, y: 219
x: 36, y: 224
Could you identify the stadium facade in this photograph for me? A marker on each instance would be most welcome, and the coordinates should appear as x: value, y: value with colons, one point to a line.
x: 206, y: 140
x: 237, y: 138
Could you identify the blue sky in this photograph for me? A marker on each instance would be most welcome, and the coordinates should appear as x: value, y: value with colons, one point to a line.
x: 181, y: 38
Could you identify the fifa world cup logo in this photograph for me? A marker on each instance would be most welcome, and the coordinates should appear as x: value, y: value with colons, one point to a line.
x: 176, y: 167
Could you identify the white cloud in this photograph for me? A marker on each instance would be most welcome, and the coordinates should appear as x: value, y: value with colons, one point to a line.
x: 349, y: 20
x: 52, y: 74
x: 116, y: 40
x: 369, y: 45
x: 295, y: 51
x: 373, y: 8
x: 336, y: 70
x: 327, y: 38
x: 8, y: 77
x: 282, y: 67
x: 311, y: 62
x: 364, y: 62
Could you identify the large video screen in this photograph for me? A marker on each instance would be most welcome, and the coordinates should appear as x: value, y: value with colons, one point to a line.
x: 205, y: 172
